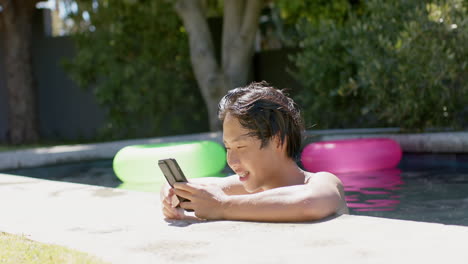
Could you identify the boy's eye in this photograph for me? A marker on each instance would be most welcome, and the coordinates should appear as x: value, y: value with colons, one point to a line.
x: 238, y: 147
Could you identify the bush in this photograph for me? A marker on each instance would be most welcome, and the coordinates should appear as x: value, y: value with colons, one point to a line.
x: 134, y: 55
x: 400, y: 63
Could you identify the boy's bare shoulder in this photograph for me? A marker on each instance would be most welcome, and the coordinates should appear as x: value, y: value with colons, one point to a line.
x: 325, y: 182
x: 322, y: 177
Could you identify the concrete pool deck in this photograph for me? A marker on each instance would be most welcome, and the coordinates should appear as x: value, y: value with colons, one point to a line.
x: 123, y: 226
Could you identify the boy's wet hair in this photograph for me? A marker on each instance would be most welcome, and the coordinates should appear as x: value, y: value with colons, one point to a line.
x: 266, y: 112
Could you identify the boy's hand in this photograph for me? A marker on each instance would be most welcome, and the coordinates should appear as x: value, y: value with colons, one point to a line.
x: 208, y: 201
x: 169, y: 202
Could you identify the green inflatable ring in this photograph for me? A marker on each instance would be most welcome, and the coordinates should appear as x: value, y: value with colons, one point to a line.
x: 139, y: 163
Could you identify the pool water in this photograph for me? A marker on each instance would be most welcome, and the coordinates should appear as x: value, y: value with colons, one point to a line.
x: 430, y: 188
x: 424, y: 187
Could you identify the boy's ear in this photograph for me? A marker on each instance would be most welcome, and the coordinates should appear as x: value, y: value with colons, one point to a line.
x: 276, y: 140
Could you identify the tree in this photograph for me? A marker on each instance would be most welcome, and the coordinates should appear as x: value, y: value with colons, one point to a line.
x: 240, y: 24
x: 106, y: 54
x: 16, y: 20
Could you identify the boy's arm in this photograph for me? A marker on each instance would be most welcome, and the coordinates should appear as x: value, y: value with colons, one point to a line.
x: 317, y: 199
x: 291, y: 203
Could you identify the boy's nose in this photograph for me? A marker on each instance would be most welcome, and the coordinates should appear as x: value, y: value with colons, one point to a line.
x: 232, y: 159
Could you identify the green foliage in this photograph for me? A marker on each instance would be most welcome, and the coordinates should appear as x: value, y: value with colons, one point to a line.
x: 399, y: 63
x: 288, y: 16
x: 214, y: 8
x: 313, y: 10
x: 134, y: 55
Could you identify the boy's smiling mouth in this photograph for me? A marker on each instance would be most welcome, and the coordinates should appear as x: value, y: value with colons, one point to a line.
x: 243, y: 175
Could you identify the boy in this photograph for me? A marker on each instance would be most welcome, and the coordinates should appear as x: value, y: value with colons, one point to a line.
x: 262, y: 132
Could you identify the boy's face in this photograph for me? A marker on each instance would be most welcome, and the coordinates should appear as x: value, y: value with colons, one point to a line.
x: 256, y: 167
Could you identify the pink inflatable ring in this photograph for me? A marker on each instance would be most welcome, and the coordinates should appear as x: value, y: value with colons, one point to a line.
x: 351, y: 155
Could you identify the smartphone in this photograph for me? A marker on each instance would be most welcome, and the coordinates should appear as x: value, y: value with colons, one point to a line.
x: 171, y: 170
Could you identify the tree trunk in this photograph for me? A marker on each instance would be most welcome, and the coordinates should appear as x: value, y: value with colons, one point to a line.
x: 240, y: 25
x: 17, y: 17
x: 239, y: 28
x: 207, y: 72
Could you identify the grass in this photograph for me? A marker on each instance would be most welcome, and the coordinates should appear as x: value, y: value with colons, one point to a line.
x: 18, y: 249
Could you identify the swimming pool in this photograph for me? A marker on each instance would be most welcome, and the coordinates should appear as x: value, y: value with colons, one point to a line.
x: 424, y: 187
x: 430, y: 188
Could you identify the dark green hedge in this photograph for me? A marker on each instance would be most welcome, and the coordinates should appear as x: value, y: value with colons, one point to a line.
x: 399, y: 63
